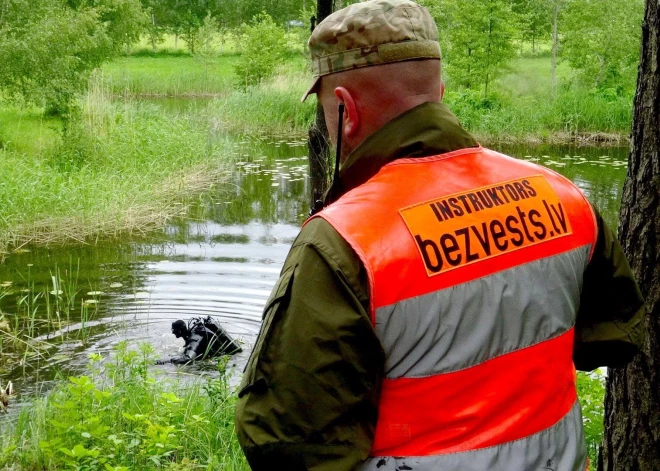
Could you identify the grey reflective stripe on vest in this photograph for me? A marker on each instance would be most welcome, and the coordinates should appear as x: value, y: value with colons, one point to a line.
x: 467, y: 324
x: 558, y: 448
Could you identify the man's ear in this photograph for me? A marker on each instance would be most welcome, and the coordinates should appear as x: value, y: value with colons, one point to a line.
x: 442, y: 89
x: 351, y: 117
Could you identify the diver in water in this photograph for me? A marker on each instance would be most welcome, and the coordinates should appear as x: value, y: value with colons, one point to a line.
x: 203, y: 338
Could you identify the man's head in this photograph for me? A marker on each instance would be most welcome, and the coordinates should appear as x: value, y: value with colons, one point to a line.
x: 380, y: 58
x: 179, y: 329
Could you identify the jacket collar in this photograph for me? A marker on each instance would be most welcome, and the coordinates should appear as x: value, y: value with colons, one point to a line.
x: 428, y: 129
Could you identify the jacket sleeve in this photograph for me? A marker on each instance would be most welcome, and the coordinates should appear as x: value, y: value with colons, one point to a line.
x: 609, y: 327
x: 309, y: 395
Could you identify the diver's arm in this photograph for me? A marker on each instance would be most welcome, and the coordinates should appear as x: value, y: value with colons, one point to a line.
x: 190, y: 352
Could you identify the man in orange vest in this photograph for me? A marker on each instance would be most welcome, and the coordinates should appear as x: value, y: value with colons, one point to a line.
x: 432, y: 315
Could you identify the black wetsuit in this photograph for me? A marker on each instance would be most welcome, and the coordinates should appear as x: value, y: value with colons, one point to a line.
x: 203, y: 338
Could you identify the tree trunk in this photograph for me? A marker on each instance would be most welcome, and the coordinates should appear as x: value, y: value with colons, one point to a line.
x: 555, y: 46
x: 153, y: 33
x: 318, y: 142
x: 319, y: 155
x: 631, y: 441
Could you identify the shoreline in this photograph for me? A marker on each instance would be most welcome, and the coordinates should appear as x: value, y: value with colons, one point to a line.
x: 172, y: 200
x: 175, y: 193
x: 595, y: 139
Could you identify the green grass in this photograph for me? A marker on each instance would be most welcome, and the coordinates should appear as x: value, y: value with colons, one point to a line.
x: 572, y: 115
x: 123, y: 416
x: 120, y: 169
x: 165, y: 75
x: 273, y: 108
x: 591, y: 392
x: 27, y: 131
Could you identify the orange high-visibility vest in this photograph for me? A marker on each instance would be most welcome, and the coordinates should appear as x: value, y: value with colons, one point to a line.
x: 475, y: 263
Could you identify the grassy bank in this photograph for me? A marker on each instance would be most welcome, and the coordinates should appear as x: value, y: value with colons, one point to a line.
x: 522, y: 106
x: 122, y: 416
x: 273, y: 108
x: 181, y: 75
x: 572, y: 117
x: 122, y: 167
x: 167, y: 75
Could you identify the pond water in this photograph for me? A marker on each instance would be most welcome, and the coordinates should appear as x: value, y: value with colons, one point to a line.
x: 223, y: 261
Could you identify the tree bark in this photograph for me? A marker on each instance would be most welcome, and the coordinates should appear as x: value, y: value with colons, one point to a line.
x: 631, y: 441
x: 318, y: 143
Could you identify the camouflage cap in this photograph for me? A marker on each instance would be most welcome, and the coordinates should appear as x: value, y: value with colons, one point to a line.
x: 372, y: 33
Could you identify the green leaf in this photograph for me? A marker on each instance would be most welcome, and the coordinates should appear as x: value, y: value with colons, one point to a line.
x: 58, y: 424
x: 135, y: 442
x: 67, y: 452
x: 79, y: 450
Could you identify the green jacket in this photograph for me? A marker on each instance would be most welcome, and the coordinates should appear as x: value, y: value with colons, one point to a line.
x: 309, y: 395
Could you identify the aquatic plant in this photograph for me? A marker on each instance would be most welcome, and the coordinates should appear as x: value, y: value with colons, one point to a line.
x: 41, y: 314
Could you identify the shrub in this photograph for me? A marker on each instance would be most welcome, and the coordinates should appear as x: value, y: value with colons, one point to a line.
x: 264, y: 46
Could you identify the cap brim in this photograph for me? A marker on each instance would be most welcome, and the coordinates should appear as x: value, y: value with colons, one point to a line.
x: 313, y: 89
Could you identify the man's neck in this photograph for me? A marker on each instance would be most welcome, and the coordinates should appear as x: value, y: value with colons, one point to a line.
x: 428, y: 129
